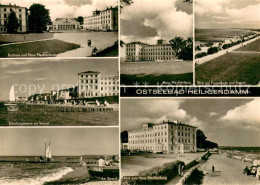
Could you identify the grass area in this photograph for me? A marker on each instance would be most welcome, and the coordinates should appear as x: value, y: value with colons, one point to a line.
x: 231, y: 68
x: 50, y: 46
x: 253, y: 46
x: 157, y: 79
x: 196, y: 177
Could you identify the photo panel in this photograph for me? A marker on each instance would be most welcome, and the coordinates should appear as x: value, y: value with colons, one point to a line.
x: 59, y: 92
x: 156, y: 46
x: 59, y: 156
x: 227, y: 42
x: 37, y: 28
x: 190, y: 140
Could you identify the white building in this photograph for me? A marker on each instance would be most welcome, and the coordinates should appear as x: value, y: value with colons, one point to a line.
x: 64, y: 24
x: 21, y: 14
x: 167, y: 137
x: 92, y: 84
x: 102, y: 20
x: 138, y: 51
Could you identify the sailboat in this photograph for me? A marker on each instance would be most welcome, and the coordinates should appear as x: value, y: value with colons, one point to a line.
x: 81, y: 162
x: 48, y: 156
x: 11, y: 106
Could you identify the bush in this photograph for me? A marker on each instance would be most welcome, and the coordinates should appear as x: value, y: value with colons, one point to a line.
x: 200, y: 55
x: 169, y: 170
x: 191, y: 164
x: 212, y: 50
x: 206, y: 156
x: 195, y: 177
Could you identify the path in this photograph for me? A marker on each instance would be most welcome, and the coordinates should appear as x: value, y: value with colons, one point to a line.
x: 222, y: 52
x: 227, y: 171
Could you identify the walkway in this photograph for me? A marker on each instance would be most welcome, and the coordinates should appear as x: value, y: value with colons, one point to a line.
x: 222, y: 52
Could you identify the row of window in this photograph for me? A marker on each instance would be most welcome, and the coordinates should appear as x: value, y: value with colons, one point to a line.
x: 9, y: 9
x: 5, y: 29
x: 148, y: 49
x: 102, y: 83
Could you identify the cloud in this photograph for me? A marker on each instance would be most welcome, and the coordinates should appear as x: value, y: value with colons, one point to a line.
x: 20, y: 71
x: 155, y: 111
x: 211, y: 114
x: 233, y: 13
x: 65, y: 8
x: 166, y: 19
x: 245, y: 116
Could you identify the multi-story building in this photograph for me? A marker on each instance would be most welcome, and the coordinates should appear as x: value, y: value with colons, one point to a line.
x: 64, y: 24
x: 102, y: 20
x: 138, y: 51
x: 167, y: 137
x: 21, y: 14
x: 92, y: 84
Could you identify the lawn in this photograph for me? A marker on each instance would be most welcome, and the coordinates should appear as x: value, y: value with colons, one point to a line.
x: 49, y: 46
x: 254, y: 46
x: 231, y: 67
x: 166, y: 79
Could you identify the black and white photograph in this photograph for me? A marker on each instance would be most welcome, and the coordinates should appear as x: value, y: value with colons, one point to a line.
x: 58, y: 28
x: 54, y: 92
x: 156, y: 42
x: 45, y: 156
x: 190, y: 141
x: 227, y: 39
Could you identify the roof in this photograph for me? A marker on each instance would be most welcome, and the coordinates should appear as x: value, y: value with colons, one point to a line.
x: 11, y: 6
x: 164, y: 122
x: 90, y: 72
x: 137, y: 42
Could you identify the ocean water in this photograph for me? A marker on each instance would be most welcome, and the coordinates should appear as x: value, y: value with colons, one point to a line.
x: 215, y: 35
x: 52, y: 116
x: 12, y: 173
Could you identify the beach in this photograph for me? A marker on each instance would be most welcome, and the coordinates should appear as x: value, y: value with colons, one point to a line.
x: 227, y: 171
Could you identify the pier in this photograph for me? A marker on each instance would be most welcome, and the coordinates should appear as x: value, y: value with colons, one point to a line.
x: 86, y: 109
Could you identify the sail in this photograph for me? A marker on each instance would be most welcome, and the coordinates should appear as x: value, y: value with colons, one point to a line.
x: 11, y: 94
x: 48, y: 151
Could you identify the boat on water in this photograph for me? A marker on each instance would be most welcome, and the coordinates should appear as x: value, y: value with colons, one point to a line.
x: 11, y: 105
x: 104, y: 171
x: 48, y: 156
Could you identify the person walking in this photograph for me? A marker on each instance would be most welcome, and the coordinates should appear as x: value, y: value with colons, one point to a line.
x: 213, y: 168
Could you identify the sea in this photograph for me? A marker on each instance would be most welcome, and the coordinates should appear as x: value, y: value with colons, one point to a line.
x: 18, y: 170
x: 52, y: 116
x: 203, y: 36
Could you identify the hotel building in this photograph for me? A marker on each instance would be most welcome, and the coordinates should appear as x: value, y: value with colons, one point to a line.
x: 138, y: 51
x: 102, y: 20
x: 21, y: 14
x: 167, y: 137
x: 92, y: 84
x: 64, y: 24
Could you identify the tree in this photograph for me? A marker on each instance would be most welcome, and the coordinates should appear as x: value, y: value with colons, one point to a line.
x: 39, y: 18
x: 122, y: 43
x: 124, y: 137
x: 80, y: 19
x: 202, y: 141
x: 12, y: 23
x: 126, y: 2
x: 186, y: 52
x: 177, y: 45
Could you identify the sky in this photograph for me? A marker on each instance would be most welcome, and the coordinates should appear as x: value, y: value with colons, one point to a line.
x: 32, y: 76
x: 64, y: 141
x: 66, y: 8
x: 224, y: 14
x: 150, y: 20
x: 229, y: 122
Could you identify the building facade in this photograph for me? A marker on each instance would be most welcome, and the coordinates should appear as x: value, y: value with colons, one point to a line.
x: 167, y: 137
x: 138, y: 51
x: 64, y: 24
x: 92, y: 84
x: 21, y: 14
x: 102, y: 20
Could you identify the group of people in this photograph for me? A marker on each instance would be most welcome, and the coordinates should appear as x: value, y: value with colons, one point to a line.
x: 104, y: 161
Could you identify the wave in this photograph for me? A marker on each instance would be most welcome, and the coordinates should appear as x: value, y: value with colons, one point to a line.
x: 40, y: 180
